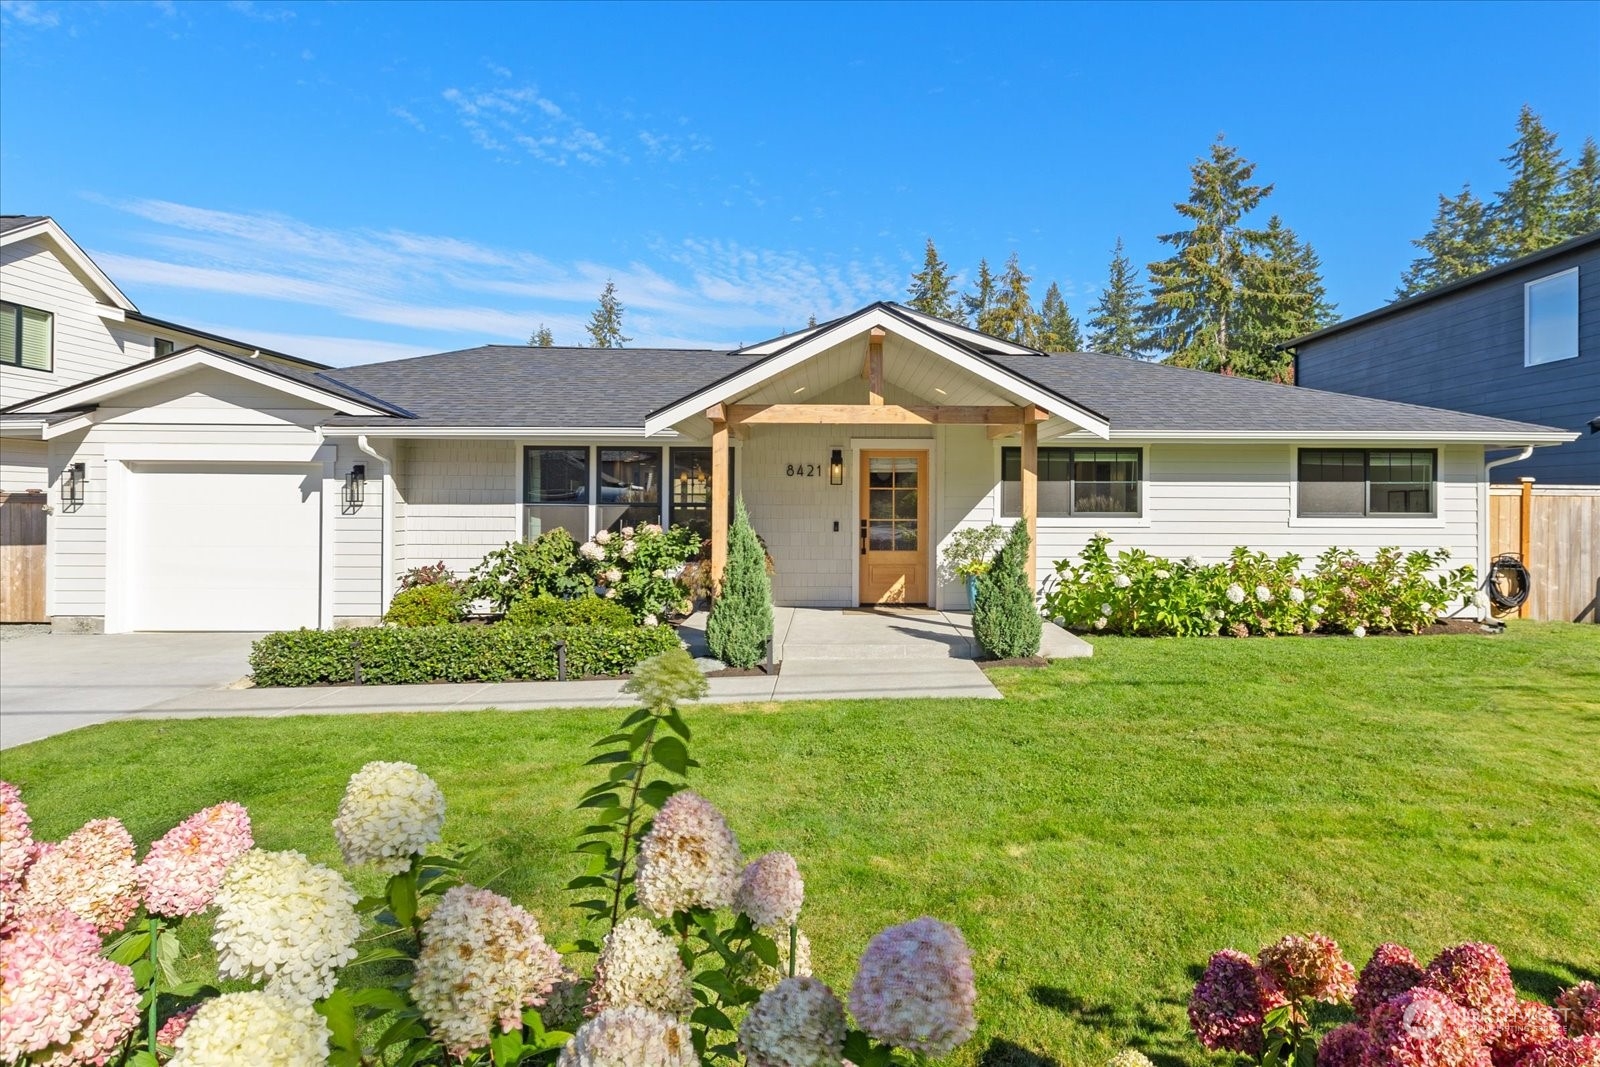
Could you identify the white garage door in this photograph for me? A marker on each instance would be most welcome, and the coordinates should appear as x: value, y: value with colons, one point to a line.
x: 224, y: 547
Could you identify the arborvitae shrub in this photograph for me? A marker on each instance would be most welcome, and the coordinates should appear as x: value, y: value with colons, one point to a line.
x: 741, y: 614
x: 1005, y: 620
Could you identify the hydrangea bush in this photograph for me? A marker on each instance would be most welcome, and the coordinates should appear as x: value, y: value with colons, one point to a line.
x: 1135, y: 593
x: 1461, y: 1010
x: 640, y: 567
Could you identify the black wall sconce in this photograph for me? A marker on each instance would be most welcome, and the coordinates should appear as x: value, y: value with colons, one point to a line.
x: 836, y: 467
x: 73, y: 480
x: 355, y: 488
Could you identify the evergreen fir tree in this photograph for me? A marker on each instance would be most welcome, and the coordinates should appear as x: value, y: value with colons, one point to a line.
x: 1527, y: 215
x: 811, y: 323
x: 1114, y: 322
x: 542, y: 338
x: 1282, y: 298
x: 933, y: 289
x: 1194, y: 294
x: 1012, y: 316
x: 1005, y: 619
x: 1456, y: 246
x: 979, y: 304
x: 1580, y: 196
x: 741, y: 614
x: 605, y: 325
x: 1058, y: 330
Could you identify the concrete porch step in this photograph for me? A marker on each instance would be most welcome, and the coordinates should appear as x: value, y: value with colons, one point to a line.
x: 921, y: 649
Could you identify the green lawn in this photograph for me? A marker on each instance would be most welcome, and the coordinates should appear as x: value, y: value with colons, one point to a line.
x: 1095, y: 835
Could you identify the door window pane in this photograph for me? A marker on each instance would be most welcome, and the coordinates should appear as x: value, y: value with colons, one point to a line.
x: 555, y: 491
x: 630, y: 487
x: 892, y: 503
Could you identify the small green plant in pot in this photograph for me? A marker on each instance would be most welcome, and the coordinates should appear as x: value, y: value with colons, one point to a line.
x: 968, y: 554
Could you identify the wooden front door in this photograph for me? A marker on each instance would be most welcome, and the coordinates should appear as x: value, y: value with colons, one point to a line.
x: 894, y: 527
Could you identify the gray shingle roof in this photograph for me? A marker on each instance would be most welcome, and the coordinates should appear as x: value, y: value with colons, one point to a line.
x: 17, y: 222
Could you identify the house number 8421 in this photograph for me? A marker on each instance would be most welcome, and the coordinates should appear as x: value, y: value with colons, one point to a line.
x: 803, y: 470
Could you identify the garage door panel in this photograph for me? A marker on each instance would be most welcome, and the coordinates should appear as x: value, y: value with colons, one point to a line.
x: 224, y: 547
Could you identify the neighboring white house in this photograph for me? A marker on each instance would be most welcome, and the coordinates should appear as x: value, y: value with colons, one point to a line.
x: 224, y: 489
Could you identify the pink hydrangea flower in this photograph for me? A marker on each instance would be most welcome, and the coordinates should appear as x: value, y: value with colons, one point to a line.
x: 1307, y: 966
x: 771, y: 891
x: 1424, y: 1028
x: 1475, y: 976
x: 1343, y: 1046
x: 914, y: 988
x: 60, y: 993
x: 16, y: 847
x: 183, y: 870
x: 1228, y: 1004
x: 689, y: 859
x: 1568, y: 1052
x: 1579, y: 1009
x: 1529, y: 1025
x: 175, y: 1025
x: 91, y: 874
x: 1391, y: 971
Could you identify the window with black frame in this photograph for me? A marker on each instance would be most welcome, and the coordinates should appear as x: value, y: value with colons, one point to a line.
x: 1075, y: 482
x: 690, y: 494
x: 630, y: 487
x: 555, y: 491
x: 1354, y: 482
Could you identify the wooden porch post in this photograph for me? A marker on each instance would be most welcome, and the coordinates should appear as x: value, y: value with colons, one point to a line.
x: 719, y: 502
x: 1030, y: 498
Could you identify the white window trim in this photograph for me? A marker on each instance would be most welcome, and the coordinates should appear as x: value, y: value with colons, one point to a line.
x: 51, y: 317
x: 1435, y: 521
x: 1527, y: 320
x: 1105, y: 522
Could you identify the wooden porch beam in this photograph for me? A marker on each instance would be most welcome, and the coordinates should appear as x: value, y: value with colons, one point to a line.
x: 885, y: 414
x: 874, y: 371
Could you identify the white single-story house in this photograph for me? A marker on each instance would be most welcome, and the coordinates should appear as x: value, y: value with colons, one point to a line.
x: 217, y: 487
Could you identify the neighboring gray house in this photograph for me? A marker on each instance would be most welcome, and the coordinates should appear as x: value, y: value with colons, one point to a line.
x: 1520, y: 341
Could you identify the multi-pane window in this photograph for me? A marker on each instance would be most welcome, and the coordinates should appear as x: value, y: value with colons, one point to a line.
x: 1550, y: 318
x: 894, y: 498
x: 1353, y: 482
x: 630, y: 487
x: 1075, y: 481
x: 690, y: 494
x: 555, y: 491
x: 26, y: 336
x: 163, y: 347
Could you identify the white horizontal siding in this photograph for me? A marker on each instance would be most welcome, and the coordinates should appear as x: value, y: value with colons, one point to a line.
x: 23, y: 465
x: 460, y: 500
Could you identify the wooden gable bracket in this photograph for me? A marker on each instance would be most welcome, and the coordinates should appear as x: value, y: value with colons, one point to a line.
x: 873, y: 371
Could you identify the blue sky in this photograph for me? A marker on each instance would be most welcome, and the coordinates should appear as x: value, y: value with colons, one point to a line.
x: 363, y: 181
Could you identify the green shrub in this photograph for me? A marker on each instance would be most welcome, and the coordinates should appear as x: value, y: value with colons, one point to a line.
x: 432, y: 574
x: 546, y: 566
x: 641, y: 567
x: 1005, y: 620
x: 741, y: 614
x: 547, y: 611
x: 425, y: 605
x: 398, y: 656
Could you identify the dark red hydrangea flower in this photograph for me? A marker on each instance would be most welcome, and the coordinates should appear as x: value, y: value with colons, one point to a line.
x: 1343, y: 1046
x: 1475, y: 976
x: 1227, y: 1006
x: 1391, y: 971
x: 1579, y: 1009
x: 1530, y: 1025
x: 1568, y: 1052
x: 1308, y: 966
x: 1424, y: 1028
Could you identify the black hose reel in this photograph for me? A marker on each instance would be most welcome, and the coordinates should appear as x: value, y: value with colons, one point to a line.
x: 1509, y: 582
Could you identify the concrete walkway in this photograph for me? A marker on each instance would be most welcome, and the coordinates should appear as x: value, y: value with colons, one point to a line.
x: 54, y: 683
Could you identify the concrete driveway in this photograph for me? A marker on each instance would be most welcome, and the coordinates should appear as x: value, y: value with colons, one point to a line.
x: 52, y: 683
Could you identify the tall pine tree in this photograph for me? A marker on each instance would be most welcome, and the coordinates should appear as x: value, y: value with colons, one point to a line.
x: 1282, y: 297
x: 1580, y: 198
x: 1456, y: 246
x: 1194, y: 293
x: 1526, y: 216
x: 1058, y: 330
x: 979, y: 304
x: 1012, y: 316
x: 933, y: 289
x: 542, y: 338
x: 605, y: 325
x: 1114, y: 320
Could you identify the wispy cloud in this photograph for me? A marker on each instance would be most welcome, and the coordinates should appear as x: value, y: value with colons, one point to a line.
x: 261, y: 12
x: 408, y: 118
x: 449, y: 291
x: 503, y: 119
x: 29, y: 13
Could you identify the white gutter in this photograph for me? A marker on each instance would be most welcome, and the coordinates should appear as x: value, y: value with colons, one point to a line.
x: 1518, y: 458
x: 385, y: 526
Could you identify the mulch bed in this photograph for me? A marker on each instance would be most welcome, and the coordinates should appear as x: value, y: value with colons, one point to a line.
x: 748, y: 672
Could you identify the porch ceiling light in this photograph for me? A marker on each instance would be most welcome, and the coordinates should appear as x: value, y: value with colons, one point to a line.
x: 73, y: 479
x: 836, y: 467
x: 355, y: 488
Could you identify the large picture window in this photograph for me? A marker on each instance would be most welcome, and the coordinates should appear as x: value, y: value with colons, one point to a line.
x: 1075, y: 482
x: 1353, y: 482
x: 630, y: 487
x: 555, y: 491
x: 690, y: 498
x: 1550, y: 319
x: 26, y: 337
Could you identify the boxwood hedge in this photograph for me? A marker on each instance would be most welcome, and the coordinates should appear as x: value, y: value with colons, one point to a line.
x: 399, y: 655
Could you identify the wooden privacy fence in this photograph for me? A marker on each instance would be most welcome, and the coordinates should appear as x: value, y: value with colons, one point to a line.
x: 1563, y: 540
x: 22, y: 526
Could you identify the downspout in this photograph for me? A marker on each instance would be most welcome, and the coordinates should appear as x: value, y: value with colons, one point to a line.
x: 385, y: 526
x: 1483, y: 522
x: 1527, y: 451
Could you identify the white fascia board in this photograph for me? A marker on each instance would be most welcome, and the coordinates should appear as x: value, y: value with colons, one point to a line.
x: 66, y: 426
x: 69, y: 250
x: 30, y: 429
x: 823, y: 340
x: 766, y: 348
x: 402, y: 430
x: 1376, y: 436
x: 157, y: 370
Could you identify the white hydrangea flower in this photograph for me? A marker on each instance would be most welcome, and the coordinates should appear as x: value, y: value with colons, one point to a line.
x: 1427, y: 608
x: 689, y: 859
x: 651, y: 620
x: 1163, y: 574
x: 591, y: 551
x: 612, y: 576
x: 797, y: 1023
x: 1123, y: 581
x: 483, y: 961
x: 1191, y: 561
x: 1263, y: 594
x: 1101, y: 535
x: 1317, y: 609
x: 1236, y: 593
x: 629, y: 548
x: 287, y: 921
x: 1105, y: 609
x: 603, y: 537
x: 1129, y: 1057
x: 389, y: 813
x: 771, y: 892
x: 1359, y: 631
x: 255, y: 1028
x: 1100, y: 623
x: 640, y: 965
x: 630, y: 1037
x: 1297, y: 595
x: 627, y: 532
